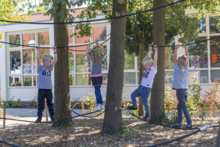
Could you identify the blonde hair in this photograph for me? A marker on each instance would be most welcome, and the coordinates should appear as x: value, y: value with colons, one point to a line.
x: 182, y: 59
x: 147, y: 60
x: 94, y: 56
x: 47, y: 57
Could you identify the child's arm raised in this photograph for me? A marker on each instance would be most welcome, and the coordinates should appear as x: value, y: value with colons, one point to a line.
x: 38, y: 56
x: 187, y: 54
x: 97, y: 43
x: 87, y: 49
x: 55, y: 56
x: 150, y: 49
x: 155, y: 56
x: 175, y: 54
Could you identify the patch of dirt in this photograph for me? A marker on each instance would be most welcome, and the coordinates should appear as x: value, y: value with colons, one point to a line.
x: 86, y: 133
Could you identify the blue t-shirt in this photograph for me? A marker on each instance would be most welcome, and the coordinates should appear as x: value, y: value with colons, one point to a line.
x: 45, y: 77
x: 96, y: 66
x: 180, y: 77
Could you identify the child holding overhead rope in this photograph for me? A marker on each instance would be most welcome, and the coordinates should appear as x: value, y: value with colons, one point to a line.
x: 146, y: 84
x: 96, y: 73
x: 45, y: 84
x: 180, y: 84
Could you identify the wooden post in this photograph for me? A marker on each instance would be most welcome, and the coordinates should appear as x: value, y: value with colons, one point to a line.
x: 4, y: 116
x: 82, y: 103
x: 46, y: 111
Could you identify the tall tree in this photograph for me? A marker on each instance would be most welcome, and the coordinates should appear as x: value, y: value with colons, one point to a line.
x: 60, y: 12
x: 157, y: 101
x: 116, y: 69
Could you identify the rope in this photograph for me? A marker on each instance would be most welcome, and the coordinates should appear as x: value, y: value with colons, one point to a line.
x: 174, y: 139
x: 152, y: 9
x: 160, y: 124
x: 51, y: 122
x: 171, y: 45
x: 57, y: 47
x: 83, y: 116
x: 3, y: 142
x: 182, y: 137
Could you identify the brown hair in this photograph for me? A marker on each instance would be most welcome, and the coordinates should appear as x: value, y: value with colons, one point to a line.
x: 182, y: 59
x: 95, y: 57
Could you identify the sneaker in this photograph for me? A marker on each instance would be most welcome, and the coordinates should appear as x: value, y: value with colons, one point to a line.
x: 97, y: 108
x: 146, y: 118
x: 131, y: 108
x: 38, y: 119
x: 178, y: 126
x: 52, y: 119
x: 102, y: 107
x: 188, y: 127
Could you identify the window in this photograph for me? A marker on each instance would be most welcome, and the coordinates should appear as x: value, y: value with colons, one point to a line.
x: 129, y: 78
x: 198, y: 76
x: 213, y: 21
x: 15, y: 81
x: 79, y: 40
x: 82, y: 64
x: 43, y: 38
x: 14, y: 39
x: 15, y: 62
x: 27, y: 37
x: 202, y: 25
x: 84, y: 79
x: 129, y: 62
x: 215, y: 51
x: 70, y: 32
x: 169, y: 77
x: 99, y: 33
x: 29, y: 63
x: 198, y: 54
x: 23, y: 65
x: 215, y: 75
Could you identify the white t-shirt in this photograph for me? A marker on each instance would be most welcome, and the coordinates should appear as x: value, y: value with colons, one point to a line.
x: 148, y: 77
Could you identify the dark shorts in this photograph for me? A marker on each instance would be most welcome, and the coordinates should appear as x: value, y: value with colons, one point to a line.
x: 96, y: 81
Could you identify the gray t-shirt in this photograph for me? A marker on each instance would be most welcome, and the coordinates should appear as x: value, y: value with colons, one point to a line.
x: 180, y: 77
x: 45, y: 77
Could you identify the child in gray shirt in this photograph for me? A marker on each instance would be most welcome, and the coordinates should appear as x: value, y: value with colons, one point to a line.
x: 180, y: 84
x: 45, y: 84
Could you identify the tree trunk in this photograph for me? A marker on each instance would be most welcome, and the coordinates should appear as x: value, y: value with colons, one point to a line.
x: 157, y: 96
x: 218, y: 138
x: 112, y: 119
x: 61, y: 88
x: 141, y: 69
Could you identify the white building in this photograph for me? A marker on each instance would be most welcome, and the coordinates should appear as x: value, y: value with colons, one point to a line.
x: 18, y: 64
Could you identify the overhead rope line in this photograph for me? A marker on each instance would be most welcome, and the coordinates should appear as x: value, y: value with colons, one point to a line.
x: 93, y: 20
x: 171, y: 45
x: 65, y: 47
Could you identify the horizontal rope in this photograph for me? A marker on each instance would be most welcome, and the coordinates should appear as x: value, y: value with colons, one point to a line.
x: 83, y: 116
x: 182, y: 137
x: 52, y: 47
x: 171, y: 45
x: 50, y: 122
x: 152, y: 9
x: 8, y: 144
x: 160, y: 124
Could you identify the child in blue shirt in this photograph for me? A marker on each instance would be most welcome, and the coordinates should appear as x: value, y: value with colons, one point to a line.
x: 180, y: 84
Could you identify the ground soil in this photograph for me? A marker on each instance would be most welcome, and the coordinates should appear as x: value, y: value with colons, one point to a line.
x: 86, y: 132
